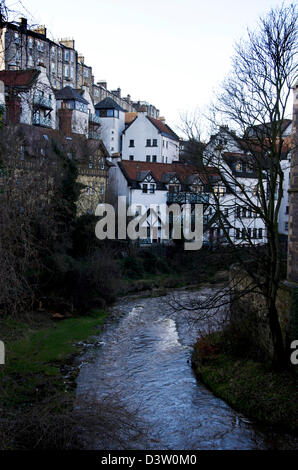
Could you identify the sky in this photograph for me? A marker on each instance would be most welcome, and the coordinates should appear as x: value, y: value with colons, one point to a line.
x: 171, y: 53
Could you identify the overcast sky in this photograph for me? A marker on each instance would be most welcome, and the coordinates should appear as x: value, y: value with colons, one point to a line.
x: 172, y: 53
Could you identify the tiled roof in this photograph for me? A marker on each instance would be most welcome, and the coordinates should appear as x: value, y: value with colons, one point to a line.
x: 21, y: 79
x: 108, y: 103
x: 68, y: 93
x: 133, y: 169
x: 129, y: 117
x: 163, y: 128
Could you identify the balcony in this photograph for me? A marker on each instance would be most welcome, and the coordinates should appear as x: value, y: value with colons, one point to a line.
x: 187, y: 198
x: 94, y: 135
x: 42, y: 102
x: 42, y: 121
x: 94, y: 119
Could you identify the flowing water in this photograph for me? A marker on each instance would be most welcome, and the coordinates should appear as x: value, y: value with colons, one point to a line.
x: 143, y: 365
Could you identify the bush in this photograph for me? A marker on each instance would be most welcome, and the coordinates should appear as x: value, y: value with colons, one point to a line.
x: 132, y: 267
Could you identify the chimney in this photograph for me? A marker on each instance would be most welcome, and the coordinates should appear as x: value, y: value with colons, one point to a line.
x: 13, y: 109
x: 81, y: 59
x: 103, y: 84
x: 23, y: 24
x: 70, y: 43
x: 65, y: 121
x: 40, y: 30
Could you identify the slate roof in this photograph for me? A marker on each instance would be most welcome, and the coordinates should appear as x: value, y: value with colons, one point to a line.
x: 19, y: 79
x: 163, y: 128
x: 68, y: 93
x: 108, y: 103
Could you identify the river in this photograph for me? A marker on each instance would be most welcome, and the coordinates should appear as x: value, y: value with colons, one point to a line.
x: 142, y: 374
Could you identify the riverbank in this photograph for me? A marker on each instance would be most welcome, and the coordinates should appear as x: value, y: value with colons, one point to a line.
x: 250, y: 387
x: 37, y: 382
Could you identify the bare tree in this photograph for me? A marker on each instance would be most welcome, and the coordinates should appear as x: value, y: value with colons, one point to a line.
x: 254, y: 102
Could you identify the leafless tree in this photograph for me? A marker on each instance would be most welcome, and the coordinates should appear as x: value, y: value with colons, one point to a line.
x: 254, y: 102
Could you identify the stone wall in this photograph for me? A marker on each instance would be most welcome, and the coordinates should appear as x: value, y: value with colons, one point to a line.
x: 250, y: 314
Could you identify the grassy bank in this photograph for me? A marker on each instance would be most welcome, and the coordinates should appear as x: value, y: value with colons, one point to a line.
x: 250, y: 387
x: 35, y: 396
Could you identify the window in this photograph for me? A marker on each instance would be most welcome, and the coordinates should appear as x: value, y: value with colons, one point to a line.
x: 238, y: 166
x: 152, y: 188
x: 154, y: 158
x: 86, y: 72
x: 30, y: 43
x: 16, y: 38
x: 53, y: 67
x: 66, y: 56
x: 30, y: 61
x: 102, y: 164
x: 22, y: 152
x: 286, y: 226
x: 287, y: 209
x: 90, y: 162
x: 131, y: 143
x: 53, y: 52
x: 66, y: 71
x: 260, y: 233
x: 237, y: 232
x: 154, y: 143
x: 101, y: 188
x: 219, y: 190
x: 254, y: 233
x: 148, y: 143
x: 72, y: 56
x: 145, y: 188
x: 131, y: 157
x: 147, y: 158
x: 71, y: 72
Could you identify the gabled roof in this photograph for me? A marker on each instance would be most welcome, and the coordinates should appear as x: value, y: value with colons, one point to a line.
x: 108, y: 103
x: 68, y: 93
x: 163, y: 128
x: 132, y: 171
x: 19, y: 79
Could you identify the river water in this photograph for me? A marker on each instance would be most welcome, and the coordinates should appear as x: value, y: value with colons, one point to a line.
x: 142, y: 372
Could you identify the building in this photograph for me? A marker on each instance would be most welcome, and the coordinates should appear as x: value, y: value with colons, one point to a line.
x: 22, y: 47
x: 146, y: 185
x: 149, y: 140
x: 236, y: 191
x: 112, y: 123
x: 29, y: 97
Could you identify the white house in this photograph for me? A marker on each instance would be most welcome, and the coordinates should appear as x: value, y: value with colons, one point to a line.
x: 29, y: 97
x: 112, y: 123
x: 146, y: 184
x: 148, y: 139
x: 226, y: 153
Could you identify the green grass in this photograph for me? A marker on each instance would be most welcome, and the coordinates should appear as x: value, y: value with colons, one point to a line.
x: 252, y: 388
x: 36, y: 356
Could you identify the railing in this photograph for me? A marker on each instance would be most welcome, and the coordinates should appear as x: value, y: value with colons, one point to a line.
x: 43, y: 102
x: 42, y: 121
x: 185, y: 197
x: 94, y: 118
